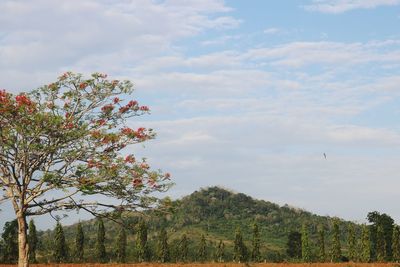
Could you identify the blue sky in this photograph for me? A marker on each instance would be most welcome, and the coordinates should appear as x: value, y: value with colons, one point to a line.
x: 244, y: 94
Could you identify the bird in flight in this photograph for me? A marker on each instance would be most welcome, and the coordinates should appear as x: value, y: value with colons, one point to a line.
x: 324, y: 155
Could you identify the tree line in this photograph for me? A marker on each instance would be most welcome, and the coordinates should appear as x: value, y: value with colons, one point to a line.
x: 164, y: 251
x: 377, y: 242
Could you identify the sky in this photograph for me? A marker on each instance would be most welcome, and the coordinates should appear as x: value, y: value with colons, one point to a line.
x: 247, y: 95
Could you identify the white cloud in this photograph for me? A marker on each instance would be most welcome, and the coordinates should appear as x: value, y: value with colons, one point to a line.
x: 363, y: 135
x: 341, y: 6
x: 271, y: 30
x: 94, y: 35
x: 299, y: 54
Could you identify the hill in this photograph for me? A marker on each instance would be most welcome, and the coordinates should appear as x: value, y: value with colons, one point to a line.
x: 216, y: 213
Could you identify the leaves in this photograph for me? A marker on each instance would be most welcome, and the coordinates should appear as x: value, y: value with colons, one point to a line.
x: 71, y: 136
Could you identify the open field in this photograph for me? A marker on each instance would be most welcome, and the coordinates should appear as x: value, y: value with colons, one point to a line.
x: 220, y: 265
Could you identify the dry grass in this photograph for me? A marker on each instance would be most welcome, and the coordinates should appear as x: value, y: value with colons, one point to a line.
x: 349, y: 264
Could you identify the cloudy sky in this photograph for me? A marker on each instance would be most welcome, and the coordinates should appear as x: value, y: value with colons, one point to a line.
x: 248, y: 95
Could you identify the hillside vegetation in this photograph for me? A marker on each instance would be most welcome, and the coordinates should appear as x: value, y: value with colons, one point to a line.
x: 215, y: 213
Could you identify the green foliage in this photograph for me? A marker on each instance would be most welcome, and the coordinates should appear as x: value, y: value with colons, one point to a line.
x: 163, y: 254
x: 220, y: 253
x: 121, y: 246
x: 240, y: 249
x: 202, y: 254
x: 305, y: 244
x: 380, y: 244
x: 396, y: 244
x: 142, y: 248
x: 32, y: 240
x: 365, y: 255
x: 101, y: 254
x: 321, y: 245
x: 294, y: 245
x: 386, y: 224
x: 10, y: 238
x: 336, y: 250
x: 185, y: 219
x: 1, y: 251
x: 256, y: 243
x: 351, y: 243
x: 60, y: 249
x: 79, y: 243
x: 184, y: 249
x: 69, y: 140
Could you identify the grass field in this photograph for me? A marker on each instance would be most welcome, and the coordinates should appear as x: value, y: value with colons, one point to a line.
x: 221, y: 265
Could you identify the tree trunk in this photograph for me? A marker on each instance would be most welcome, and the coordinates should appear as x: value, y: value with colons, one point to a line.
x: 23, y: 247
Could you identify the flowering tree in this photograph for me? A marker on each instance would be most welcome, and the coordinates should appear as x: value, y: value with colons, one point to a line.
x: 64, y: 141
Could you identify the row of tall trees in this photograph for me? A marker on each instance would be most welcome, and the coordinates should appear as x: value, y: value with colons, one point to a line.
x: 9, y: 242
x: 163, y: 251
x: 377, y: 242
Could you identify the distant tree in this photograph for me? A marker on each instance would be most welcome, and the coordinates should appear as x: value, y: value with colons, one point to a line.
x: 336, y: 250
x: 380, y: 244
x: 1, y: 251
x: 212, y: 250
x: 101, y: 254
x: 184, y: 248
x: 162, y: 247
x: 256, y: 243
x: 351, y: 243
x: 305, y: 245
x: 142, y: 248
x: 10, y: 237
x: 121, y: 245
x: 60, y: 252
x: 79, y: 243
x: 396, y: 244
x: 240, y: 249
x: 220, y: 254
x: 293, y: 246
x: 386, y: 223
x: 32, y: 241
x: 202, y: 254
x: 321, y: 245
x: 365, y: 255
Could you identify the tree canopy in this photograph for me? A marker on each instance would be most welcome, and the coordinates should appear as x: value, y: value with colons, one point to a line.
x: 66, y: 140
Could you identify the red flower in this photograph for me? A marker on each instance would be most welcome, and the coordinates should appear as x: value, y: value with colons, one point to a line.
x: 82, y: 85
x: 137, y: 182
x: 116, y: 100
x: 23, y: 100
x: 95, y: 134
x: 123, y: 109
x: 144, y: 165
x: 107, y: 108
x: 131, y: 103
x: 64, y: 76
x: 140, y: 133
x: 69, y: 125
x: 127, y: 131
x: 144, y: 108
x: 3, y: 96
x: 101, y: 122
x: 91, y: 163
x: 129, y: 159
